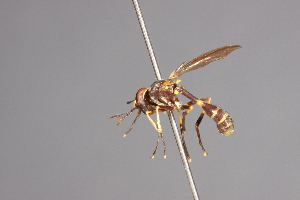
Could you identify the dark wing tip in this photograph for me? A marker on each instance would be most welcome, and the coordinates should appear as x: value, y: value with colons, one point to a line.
x: 237, y: 46
x: 234, y: 47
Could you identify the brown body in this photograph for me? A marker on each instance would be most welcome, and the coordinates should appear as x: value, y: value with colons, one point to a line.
x: 161, y: 96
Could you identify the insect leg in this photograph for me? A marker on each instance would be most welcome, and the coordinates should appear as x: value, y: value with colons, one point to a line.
x: 198, y: 132
x: 182, y: 127
x: 163, y: 140
x: 150, y: 119
x: 187, y: 106
x: 159, y: 130
x: 160, y: 135
x: 182, y: 131
x: 208, y: 99
x: 197, y: 126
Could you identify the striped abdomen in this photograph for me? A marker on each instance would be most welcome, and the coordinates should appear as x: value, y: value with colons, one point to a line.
x: 221, y: 117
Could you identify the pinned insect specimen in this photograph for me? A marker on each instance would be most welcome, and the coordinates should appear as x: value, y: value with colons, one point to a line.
x: 161, y: 96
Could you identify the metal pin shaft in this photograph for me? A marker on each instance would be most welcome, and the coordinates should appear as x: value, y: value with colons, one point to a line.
x: 170, y: 114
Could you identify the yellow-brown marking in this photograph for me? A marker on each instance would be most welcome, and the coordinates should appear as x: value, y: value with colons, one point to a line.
x: 223, y: 118
x: 159, y: 129
x: 228, y: 125
x: 189, y: 109
x: 179, y: 117
x: 152, y: 122
x: 156, y: 126
x: 229, y: 133
x: 176, y: 91
x: 168, y: 82
x: 199, y: 102
x: 215, y: 112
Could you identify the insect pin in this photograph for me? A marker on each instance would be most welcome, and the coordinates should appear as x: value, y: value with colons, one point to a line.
x: 161, y: 96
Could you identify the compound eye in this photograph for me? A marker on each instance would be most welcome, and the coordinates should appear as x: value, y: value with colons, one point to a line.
x: 141, y: 92
x: 140, y: 95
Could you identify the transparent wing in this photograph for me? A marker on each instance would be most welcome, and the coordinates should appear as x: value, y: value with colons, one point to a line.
x: 203, y: 60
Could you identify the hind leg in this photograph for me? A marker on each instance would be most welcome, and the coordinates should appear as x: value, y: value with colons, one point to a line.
x: 197, y: 126
x: 189, y: 107
x: 183, y: 129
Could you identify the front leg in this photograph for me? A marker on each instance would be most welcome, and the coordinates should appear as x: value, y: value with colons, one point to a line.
x: 159, y: 130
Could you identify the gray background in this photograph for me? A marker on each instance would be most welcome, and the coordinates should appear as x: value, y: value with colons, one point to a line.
x: 66, y: 66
